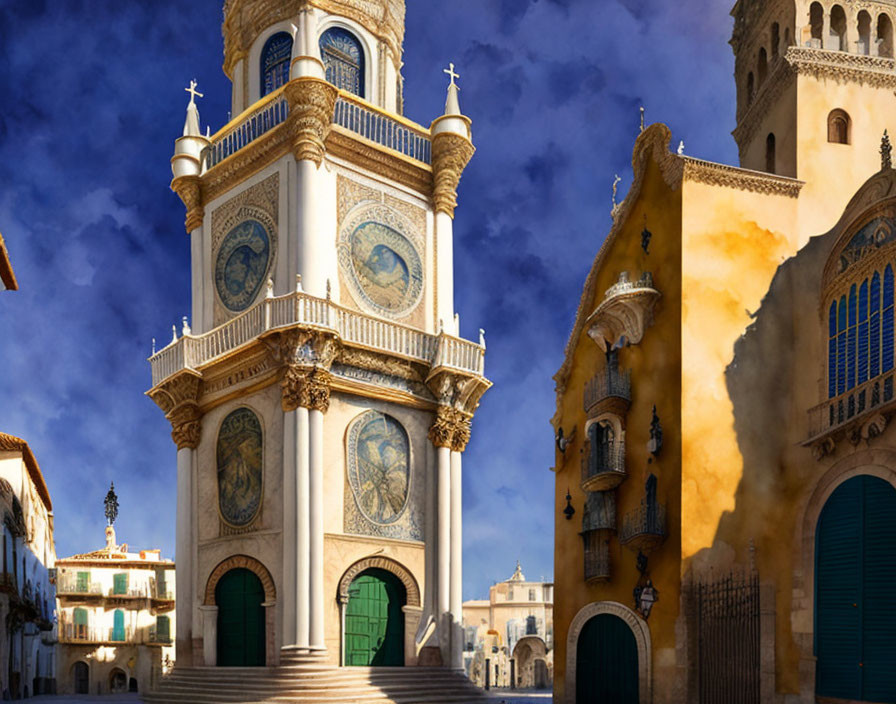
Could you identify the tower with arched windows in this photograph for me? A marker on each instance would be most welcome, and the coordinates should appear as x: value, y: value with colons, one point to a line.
x: 321, y: 397
x: 798, y: 62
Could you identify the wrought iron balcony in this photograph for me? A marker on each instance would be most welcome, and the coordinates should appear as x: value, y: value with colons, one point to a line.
x: 644, y: 529
x: 196, y: 351
x: 600, y: 511
x: 73, y: 587
x: 610, y: 384
x: 603, y: 467
x: 853, y: 407
x: 597, y: 555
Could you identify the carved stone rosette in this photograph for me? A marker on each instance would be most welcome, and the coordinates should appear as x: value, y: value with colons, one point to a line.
x: 312, y: 102
x: 451, y: 429
x: 305, y: 387
x: 450, y: 155
x: 178, y: 398
x: 189, y: 188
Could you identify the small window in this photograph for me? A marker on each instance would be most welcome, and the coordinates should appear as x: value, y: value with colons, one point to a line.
x: 816, y: 23
x: 838, y: 127
x: 838, y: 29
x: 510, y: 594
x: 83, y: 583
x: 884, y: 36
x: 775, y: 39
x: 531, y: 595
x: 770, y: 153
x: 762, y: 68
x: 864, y: 22
x: 163, y: 629
x: 120, y: 583
x: 343, y: 58
x: 750, y: 88
x: 80, y: 622
x: 275, y: 57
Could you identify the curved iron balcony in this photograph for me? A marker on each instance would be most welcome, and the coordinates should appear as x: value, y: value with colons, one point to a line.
x: 597, y: 556
x: 603, y: 468
x: 852, y: 407
x: 644, y: 529
x: 610, y: 385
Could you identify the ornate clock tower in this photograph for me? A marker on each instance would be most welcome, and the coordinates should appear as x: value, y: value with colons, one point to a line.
x: 322, y: 400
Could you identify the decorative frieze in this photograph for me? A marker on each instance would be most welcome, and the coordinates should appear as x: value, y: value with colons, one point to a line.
x: 308, y: 388
x: 178, y: 397
x: 189, y: 189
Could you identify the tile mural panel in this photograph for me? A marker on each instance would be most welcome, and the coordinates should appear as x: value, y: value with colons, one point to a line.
x: 240, y: 467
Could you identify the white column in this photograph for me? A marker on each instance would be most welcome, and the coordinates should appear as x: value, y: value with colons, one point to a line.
x: 456, y: 551
x: 290, y: 549
x: 316, y: 453
x: 303, y: 545
x: 183, y: 556
x: 445, y: 267
x: 310, y: 254
x: 209, y: 635
x: 443, y: 547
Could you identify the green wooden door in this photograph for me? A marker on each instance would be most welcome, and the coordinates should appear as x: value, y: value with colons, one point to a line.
x: 118, y: 625
x: 606, y: 662
x: 374, y: 621
x: 241, y: 631
x: 855, y: 587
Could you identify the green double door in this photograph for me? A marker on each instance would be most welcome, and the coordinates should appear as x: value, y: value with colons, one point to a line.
x: 374, y: 620
x: 239, y: 596
x: 606, y: 662
x: 855, y: 592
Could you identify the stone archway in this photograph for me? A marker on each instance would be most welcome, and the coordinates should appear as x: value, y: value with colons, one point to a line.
x: 209, y: 609
x: 527, y: 651
x: 875, y: 463
x: 412, y: 609
x: 639, y: 629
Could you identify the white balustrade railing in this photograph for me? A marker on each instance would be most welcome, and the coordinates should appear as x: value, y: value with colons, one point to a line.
x: 383, y: 128
x: 195, y: 351
x: 248, y: 129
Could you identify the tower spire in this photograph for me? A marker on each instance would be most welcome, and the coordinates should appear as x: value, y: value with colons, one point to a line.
x: 452, y: 104
x: 191, y: 124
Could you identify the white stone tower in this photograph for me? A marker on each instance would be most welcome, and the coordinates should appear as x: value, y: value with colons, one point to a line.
x: 322, y: 398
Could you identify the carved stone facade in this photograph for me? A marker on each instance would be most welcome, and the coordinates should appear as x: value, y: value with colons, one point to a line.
x: 178, y: 397
x: 450, y: 155
x: 311, y: 103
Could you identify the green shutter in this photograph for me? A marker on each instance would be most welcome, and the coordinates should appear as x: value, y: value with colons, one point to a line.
x: 80, y: 617
x: 118, y: 627
x: 607, y: 662
x: 83, y: 581
x: 163, y: 629
x: 120, y: 583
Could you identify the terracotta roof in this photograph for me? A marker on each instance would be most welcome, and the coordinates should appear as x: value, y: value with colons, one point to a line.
x: 10, y: 443
x: 6, y: 273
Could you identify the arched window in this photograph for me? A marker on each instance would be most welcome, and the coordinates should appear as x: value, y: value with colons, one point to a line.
x: 776, y: 39
x: 274, y: 62
x: 884, y: 36
x: 838, y: 127
x: 838, y: 29
x: 770, y: 153
x: 343, y: 58
x: 750, y: 88
x: 864, y: 26
x: 816, y: 24
x: 786, y: 37
x: 762, y: 68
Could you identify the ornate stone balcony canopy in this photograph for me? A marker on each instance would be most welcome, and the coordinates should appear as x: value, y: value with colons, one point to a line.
x: 627, y: 310
x: 604, y: 469
x: 644, y: 529
x: 436, y: 352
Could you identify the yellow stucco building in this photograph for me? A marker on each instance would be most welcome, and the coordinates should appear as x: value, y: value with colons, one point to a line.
x: 723, y: 402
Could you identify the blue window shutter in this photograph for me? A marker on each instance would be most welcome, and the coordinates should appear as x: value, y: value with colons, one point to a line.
x: 863, y: 353
x: 841, y: 363
x: 832, y: 320
x: 886, y: 332
x: 832, y: 367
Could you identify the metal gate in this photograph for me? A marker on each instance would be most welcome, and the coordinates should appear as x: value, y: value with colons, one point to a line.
x: 725, y: 624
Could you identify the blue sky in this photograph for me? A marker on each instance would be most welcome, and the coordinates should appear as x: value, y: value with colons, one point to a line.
x: 92, y: 100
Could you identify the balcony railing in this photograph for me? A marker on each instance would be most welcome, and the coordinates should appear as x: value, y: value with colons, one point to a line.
x: 379, y: 126
x: 610, y: 382
x: 273, y: 112
x: 597, y: 556
x: 874, y: 394
x: 76, y: 633
x: 603, y: 468
x: 160, y: 637
x: 192, y: 352
x: 72, y: 586
x: 644, y: 528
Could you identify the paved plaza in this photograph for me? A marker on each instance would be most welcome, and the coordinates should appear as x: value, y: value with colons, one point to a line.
x: 494, y: 696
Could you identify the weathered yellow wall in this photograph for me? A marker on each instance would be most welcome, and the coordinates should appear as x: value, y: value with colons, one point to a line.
x: 655, y: 380
x: 779, y: 121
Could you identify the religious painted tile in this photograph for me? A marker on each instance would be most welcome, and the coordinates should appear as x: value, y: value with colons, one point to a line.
x: 240, y: 467
x: 242, y: 264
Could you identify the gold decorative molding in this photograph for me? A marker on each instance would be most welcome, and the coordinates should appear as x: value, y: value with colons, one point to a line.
x: 451, y: 429
x: 307, y: 356
x: 450, y: 155
x: 189, y: 188
x: 741, y: 179
x: 308, y: 388
x: 178, y: 397
x: 382, y: 161
x: 311, y: 105
x: 245, y: 562
x: 264, y: 196
x: 378, y: 362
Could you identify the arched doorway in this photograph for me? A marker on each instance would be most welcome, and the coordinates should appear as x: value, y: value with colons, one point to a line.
x: 374, y: 620
x: 855, y: 586
x: 81, y: 677
x: 606, y: 662
x: 118, y: 681
x: 239, y: 595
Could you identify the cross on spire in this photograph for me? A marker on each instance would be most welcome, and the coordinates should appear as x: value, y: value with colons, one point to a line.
x: 193, y: 92
x: 450, y: 72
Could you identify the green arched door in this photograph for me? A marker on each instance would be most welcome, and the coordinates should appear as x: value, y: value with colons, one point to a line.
x: 239, y: 595
x: 855, y: 588
x: 374, y: 620
x: 606, y: 662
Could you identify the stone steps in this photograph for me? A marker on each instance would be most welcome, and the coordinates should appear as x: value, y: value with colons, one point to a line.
x: 306, y: 681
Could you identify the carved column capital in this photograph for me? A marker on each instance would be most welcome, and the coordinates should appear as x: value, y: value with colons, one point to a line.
x: 450, y: 155
x: 305, y: 387
x: 178, y: 398
x: 312, y: 102
x: 189, y: 188
x: 451, y: 429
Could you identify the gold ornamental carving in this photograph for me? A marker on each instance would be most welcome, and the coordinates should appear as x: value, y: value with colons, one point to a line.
x: 189, y: 188
x: 450, y: 155
x: 451, y: 429
x: 308, y: 388
x: 178, y: 398
x: 311, y: 105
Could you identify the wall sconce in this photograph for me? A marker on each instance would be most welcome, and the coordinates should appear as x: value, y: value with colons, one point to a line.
x: 569, y: 511
x: 655, y: 444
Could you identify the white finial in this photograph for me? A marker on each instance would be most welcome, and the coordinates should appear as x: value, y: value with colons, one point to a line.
x: 208, y: 132
x: 174, y: 333
x: 193, y: 92
x: 681, y: 148
x: 153, y: 345
x: 270, y: 291
x: 481, y: 337
x: 328, y: 289
x: 299, y: 283
x: 642, y: 118
x: 457, y: 324
x: 186, y: 329
x: 441, y: 325
x: 452, y: 104
x: 616, y: 181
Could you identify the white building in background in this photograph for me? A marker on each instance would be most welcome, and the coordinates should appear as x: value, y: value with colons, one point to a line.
x: 116, y: 619
x: 27, y: 634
